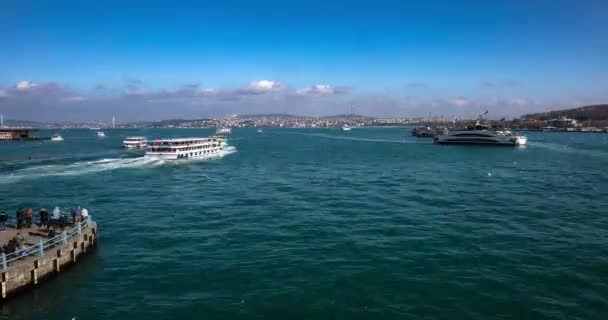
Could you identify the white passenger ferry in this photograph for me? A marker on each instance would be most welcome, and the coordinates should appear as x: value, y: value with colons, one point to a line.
x: 135, y: 143
x: 186, y: 148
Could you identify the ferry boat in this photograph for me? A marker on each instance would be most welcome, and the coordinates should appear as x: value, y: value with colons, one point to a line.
x: 187, y: 148
x: 101, y: 134
x: 135, y: 143
x: 346, y: 128
x: 56, y: 137
x: 481, y: 134
x: 19, y: 134
x: 224, y: 130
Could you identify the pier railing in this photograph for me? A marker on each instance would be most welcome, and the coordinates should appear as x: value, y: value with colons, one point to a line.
x: 39, y: 249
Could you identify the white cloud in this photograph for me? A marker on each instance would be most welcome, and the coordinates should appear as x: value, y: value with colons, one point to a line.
x: 74, y: 99
x: 206, y: 92
x: 25, y: 85
x: 137, y: 92
x: 518, y: 101
x: 320, y: 90
x: 459, y: 101
x: 261, y: 86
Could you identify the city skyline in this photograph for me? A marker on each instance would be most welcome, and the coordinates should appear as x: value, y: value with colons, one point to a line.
x: 74, y: 61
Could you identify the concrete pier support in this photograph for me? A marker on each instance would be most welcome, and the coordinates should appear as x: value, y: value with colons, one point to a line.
x: 32, y: 270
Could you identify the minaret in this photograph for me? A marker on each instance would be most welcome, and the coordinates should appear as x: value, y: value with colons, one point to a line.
x: 1, y: 120
x: 113, y: 122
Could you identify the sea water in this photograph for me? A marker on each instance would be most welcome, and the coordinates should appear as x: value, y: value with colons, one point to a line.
x: 323, y: 224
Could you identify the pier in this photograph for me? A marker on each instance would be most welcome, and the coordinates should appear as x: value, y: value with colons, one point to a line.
x: 43, y: 256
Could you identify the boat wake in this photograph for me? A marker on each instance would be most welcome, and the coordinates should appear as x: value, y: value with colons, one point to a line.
x: 78, y: 168
x: 562, y: 148
x: 96, y: 166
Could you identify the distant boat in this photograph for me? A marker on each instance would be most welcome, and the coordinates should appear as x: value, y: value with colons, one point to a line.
x: 94, y: 128
x: 423, y: 132
x: 56, y: 137
x: 101, y: 134
x: 135, y: 143
x: 260, y: 131
x: 548, y: 128
x: 224, y: 130
x: 346, y: 128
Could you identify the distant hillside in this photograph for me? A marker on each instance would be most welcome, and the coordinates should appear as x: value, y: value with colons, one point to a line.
x: 269, y: 115
x: 25, y: 124
x: 347, y: 116
x: 177, y: 122
x: 588, y: 113
x: 291, y: 116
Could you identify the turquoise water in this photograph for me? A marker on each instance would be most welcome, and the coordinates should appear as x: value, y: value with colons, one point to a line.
x: 321, y: 224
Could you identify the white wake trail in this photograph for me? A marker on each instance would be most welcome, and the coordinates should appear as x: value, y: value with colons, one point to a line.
x: 78, y: 168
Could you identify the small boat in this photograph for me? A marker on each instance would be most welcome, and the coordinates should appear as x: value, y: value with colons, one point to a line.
x: 135, y: 143
x: 223, y: 130
x: 56, y: 137
x: 101, y: 134
x: 423, y: 132
x: 346, y: 128
x: 187, y: 148
x: 548, y: 128
x: 260, y: 131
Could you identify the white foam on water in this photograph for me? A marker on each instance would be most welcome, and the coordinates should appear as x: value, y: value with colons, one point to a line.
x: 96, y: 166
x: 78, y: 168
x: 567, y: 149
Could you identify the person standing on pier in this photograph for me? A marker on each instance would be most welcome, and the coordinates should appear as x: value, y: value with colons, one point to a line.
x: 84, y: 213
x: 44, y: 217
x: 20, y: 218
x: 77, y: 215
x: 73, y: 214
x: 29, y: 214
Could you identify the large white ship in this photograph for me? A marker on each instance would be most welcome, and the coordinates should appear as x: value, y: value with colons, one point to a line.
x: 480, y: 134
x: 188, y: 148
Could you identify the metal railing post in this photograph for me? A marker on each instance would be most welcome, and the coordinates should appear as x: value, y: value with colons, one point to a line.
x: 3, y: 261
x: 65, y: 237
x: 79, y: 228
x: 41, y: 245
x: 89, y: 220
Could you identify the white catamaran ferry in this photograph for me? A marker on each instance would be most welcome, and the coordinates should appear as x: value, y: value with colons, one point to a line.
x: 481, y: 134
x: 135, y: 143
x: 187, y: 148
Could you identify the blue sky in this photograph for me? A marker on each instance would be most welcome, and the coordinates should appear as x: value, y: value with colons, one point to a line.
x: 144, y: 59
